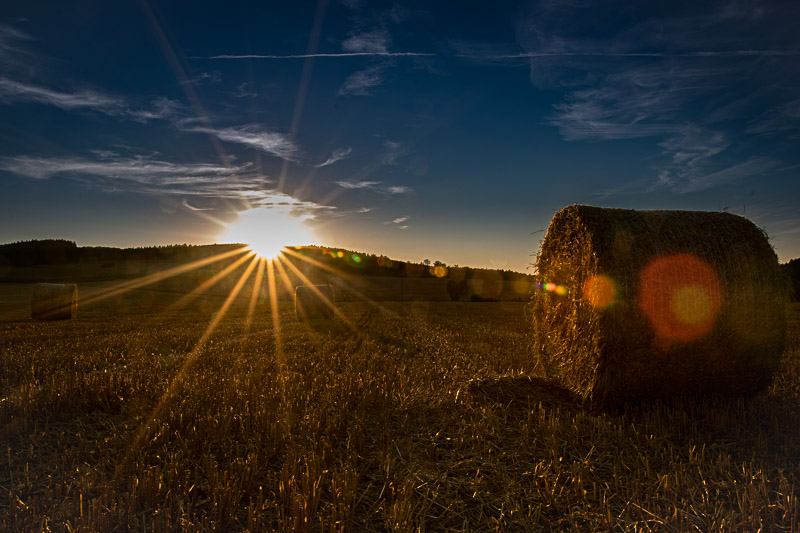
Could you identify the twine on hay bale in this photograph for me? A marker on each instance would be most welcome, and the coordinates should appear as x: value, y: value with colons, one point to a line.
x: 650, y: 304
x: 54, y: 301
x: 313, y: 302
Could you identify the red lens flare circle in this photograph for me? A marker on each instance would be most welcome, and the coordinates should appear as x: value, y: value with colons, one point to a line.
x: 680, y: 295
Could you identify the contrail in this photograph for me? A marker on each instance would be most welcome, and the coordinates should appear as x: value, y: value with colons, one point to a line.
x: 307, y: 56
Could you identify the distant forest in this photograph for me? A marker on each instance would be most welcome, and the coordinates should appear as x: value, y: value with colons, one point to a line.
x: 792, y: 271
x: 61, y: 252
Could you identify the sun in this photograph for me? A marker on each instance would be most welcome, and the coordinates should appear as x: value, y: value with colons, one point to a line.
x: 267, y: 231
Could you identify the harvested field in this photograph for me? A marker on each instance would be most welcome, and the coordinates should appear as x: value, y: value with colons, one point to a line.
x: 423, y: 416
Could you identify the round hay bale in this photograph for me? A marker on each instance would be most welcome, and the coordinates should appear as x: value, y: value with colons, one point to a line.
x: 650, y: 304
x: 54, y: 301
x: 313, y: 302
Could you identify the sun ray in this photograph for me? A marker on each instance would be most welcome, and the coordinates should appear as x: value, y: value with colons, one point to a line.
x: 251, y: 308
x: 121, y: 288
x: 155, y: 415
x: 197, y: 291
x: 284, y: 275
x: 337, y: 272
x: 275, y: 312
x: 319, y: 294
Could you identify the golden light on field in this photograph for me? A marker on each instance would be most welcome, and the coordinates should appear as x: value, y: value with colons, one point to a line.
x: 267, y: 231
x: 680, y: 295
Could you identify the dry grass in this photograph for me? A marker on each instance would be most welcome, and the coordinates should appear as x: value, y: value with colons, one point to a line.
x: 374, y: 430
x: 53, y: 301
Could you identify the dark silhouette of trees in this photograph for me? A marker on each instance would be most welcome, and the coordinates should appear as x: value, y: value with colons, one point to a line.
x: 792, y: 271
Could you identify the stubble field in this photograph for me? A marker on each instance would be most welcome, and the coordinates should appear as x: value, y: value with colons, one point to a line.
x: 402, y: 417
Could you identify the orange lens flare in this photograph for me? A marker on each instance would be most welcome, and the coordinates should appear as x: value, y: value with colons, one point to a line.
x: 600, y: 291
x: 680, y: 295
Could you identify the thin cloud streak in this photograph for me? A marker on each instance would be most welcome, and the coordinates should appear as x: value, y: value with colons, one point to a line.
x: 320, y: 55
x: 724, y: 53
x: 374, y: 186
x: 731, y: 174
x: 277, y: 144
x: 337, y: 155
x: 12, y: 91
x: 137, y: 168
x: 374, y: 42
x: 360, y: 83
x: 186, y: 204
x: 357, y: 184
x: 164, y: 178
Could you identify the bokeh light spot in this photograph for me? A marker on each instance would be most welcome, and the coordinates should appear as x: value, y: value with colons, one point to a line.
x: 521, y: 286
x: 692, y: 305
x: 599, y: 291
x: 439, y: 271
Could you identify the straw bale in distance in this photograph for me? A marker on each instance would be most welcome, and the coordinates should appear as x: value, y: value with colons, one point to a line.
x: 313, y: 302
x: 657, y: 304
x: 54, y: 301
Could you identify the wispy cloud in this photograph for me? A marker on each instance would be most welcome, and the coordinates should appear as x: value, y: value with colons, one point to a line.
x: 670, y: 78
x: 400, y: 220
x: 337, y: 155
x: 296, y: 206
x: 12, y: 91
x: 11, y: 41
x: 203, y: 78
x: 360, y: 83
x: 141, y: 169
x: 277, y: 144
x: 190, y: 207
x: 357, y: 184
x: 778, y: 119
x: 393, y: 151
x: 198, y: 181
x: 642, y: 101
x: 732, y: 174
x: 245, y: 90
x: 396, y: 189
x: 690, y: 148
x: 374, y: 186
x: 373, y: 42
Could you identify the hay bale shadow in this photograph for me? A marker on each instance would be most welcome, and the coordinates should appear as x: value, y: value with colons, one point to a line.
x: 522, y: 391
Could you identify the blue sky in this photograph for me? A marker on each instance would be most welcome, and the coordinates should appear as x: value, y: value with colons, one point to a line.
x: 446, y: 131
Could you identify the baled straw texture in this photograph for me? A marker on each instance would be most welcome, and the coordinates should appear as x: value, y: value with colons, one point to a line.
x: 54, y: 301
x: 313, y: 302
x: 650, y: 304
